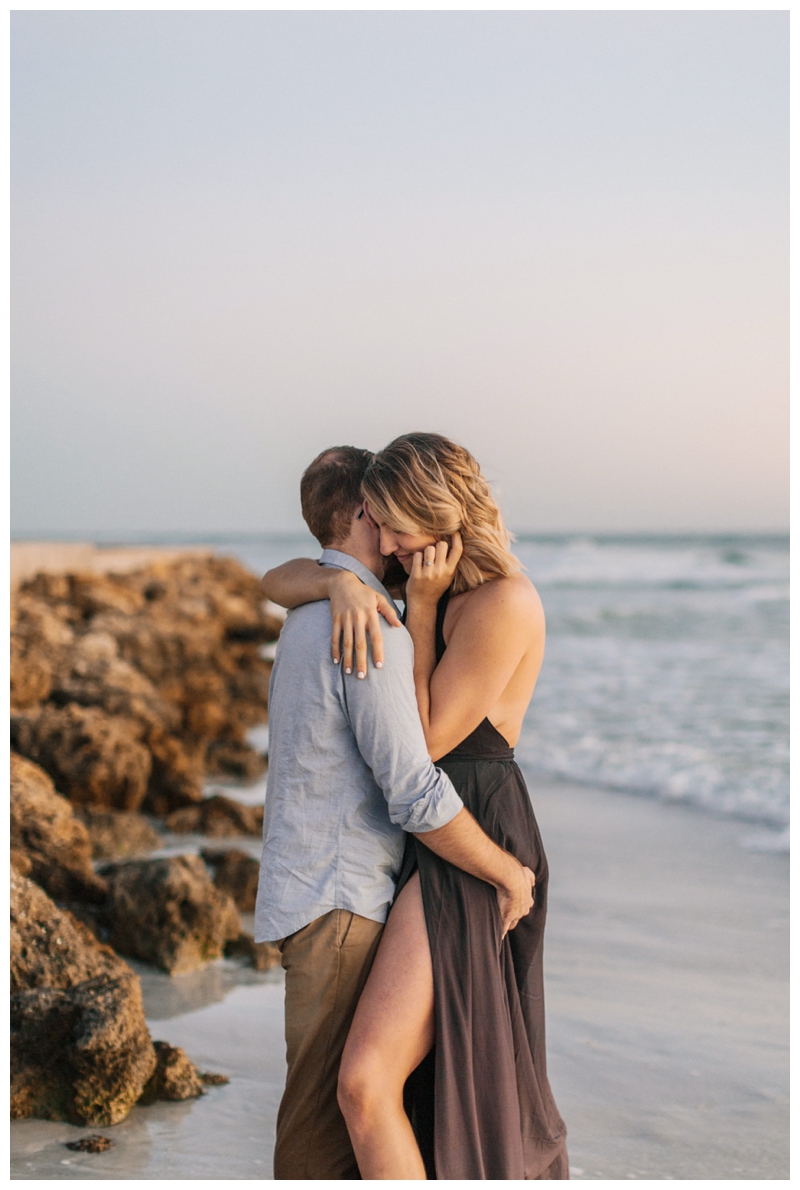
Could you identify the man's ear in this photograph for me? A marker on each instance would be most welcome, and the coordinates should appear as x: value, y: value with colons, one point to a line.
x: 368, y: 515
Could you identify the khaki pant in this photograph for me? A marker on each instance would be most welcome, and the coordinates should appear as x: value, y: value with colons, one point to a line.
x: 326, y: 964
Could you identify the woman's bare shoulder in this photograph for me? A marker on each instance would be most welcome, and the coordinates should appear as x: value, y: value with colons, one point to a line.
x: 509, y: 598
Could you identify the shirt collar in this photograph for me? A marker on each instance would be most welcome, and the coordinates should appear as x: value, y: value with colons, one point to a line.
x: 348, y: 562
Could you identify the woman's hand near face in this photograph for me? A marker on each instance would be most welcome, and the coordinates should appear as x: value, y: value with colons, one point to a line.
x: 355, y: 613
x: 433, y: 570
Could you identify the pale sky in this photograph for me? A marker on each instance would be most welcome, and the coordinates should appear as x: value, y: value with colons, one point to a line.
x: 557, y: 237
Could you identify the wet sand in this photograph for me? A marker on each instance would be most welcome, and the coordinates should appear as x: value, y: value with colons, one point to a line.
x: 667, y: 968
x: 667, y: 1002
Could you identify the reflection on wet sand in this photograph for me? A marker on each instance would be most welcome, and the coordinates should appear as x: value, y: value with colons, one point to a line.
x: 168, y: 996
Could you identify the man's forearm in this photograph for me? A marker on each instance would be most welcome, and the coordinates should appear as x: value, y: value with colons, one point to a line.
x: 465, y: 845
x: 300, y: 581
x: 421, y: 624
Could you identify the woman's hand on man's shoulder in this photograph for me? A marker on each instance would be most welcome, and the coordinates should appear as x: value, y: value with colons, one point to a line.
x: 356, y: 610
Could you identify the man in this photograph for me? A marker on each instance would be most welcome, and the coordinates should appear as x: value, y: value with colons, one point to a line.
x: 349, y: 772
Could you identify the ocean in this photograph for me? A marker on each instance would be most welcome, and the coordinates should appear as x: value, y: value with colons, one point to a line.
x: 666, y: 671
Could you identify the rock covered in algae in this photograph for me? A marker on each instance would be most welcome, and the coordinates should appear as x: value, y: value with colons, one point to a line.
x: 80, y: 1048
x: 168, y: 912
x: 90, y: 1144
x: 175, y: 1076
x: 235, y: 873
x: 261, y: 955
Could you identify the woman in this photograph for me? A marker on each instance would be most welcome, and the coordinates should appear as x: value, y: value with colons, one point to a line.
x: 449, y: 1031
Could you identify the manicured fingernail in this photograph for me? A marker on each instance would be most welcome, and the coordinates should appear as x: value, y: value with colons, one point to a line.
x: 346, y: 670
x: 379, y: 665
x: 360, y: 674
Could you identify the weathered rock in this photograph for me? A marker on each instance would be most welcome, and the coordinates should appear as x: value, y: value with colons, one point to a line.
x: 80, y: 1048
x: 93, y: 593
x: 90, y: 1144
x: 49, y: 947
x: 168, y: 912
x: 41, y: 637
x: 31, y: 677
x: 235, y: 873
x: 217, y: 816
x: 225, y: 758
x: 174, y: 1077
x: 116, y: 833
x: 97, y: 676
x: 21, y: 862
x: 169, y: 654
x: 89, y: 915
x: 261, y: 955
x: 176, y: 778
x: 45, y: 830
x: 93, y: 758
x: 210, y: 1078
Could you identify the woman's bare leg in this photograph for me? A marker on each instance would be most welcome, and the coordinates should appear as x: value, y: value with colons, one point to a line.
x: 392, y: 1031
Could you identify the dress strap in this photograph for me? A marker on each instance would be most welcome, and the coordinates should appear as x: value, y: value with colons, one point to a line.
x: 441, y: 609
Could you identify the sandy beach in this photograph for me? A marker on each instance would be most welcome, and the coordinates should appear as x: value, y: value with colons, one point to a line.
x: 667, y: 986
x: 667, y: 968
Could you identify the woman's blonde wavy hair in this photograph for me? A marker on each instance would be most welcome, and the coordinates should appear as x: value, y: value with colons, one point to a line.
x: 424, y: 483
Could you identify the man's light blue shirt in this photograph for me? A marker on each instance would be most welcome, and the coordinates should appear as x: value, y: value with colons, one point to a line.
x: 349, y: 772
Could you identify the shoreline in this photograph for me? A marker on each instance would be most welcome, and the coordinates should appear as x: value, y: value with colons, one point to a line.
x: 666, y: 983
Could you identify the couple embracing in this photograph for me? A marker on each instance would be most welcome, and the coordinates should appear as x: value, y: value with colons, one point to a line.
x: 403, y: 875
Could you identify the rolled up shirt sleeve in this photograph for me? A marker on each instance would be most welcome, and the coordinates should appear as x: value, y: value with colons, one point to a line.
x: 383, y: 715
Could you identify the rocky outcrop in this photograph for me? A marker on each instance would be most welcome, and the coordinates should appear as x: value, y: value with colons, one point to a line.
x: 217, y: 816
x: 261, y: 955
x: 92, y: 756
x: 47, y: 841
x: 226, y: 758
x: 90, y: 1144
x: 174, y: 1077
x: 80, y: 1048
x: 41, y: 638
x: 127, y: 688
x: 168, y: 912
x: 126, y: 691
x: 114, y: 834
x: 20, y: 862
x: 235, y: 873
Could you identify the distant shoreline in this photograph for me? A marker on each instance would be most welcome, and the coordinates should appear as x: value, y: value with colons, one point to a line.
x: 28, y: 558
x: 210, y: 540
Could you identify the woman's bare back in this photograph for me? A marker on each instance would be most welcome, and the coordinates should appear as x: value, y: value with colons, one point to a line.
x: 496, y: 628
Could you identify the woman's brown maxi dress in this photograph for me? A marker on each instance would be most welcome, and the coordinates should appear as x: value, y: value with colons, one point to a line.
x: 480, y: 1103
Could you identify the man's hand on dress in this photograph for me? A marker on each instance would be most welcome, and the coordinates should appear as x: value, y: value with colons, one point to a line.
x: 515, y: 899
x: 355, y: 613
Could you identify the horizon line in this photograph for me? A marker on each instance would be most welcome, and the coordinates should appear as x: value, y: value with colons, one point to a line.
x: 153, y: 537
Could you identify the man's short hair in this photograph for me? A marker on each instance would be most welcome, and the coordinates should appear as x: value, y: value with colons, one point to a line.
x: 330, y: 492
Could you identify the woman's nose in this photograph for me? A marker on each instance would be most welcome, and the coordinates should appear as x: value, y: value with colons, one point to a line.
x: 388, y: 542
